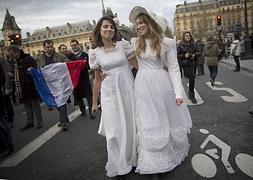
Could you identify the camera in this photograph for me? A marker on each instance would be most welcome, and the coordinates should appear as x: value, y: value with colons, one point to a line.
x: 190, y: 55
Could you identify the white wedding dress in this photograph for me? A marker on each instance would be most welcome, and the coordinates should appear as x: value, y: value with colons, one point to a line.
x: 162, y: 126
x: 117, y: 122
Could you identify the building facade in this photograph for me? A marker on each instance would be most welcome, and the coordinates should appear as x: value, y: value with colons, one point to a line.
x: 63, y: 34
x: 33, y: 43
x: 200, y: 18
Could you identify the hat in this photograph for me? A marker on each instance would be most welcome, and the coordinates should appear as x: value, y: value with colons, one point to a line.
x: 162, y: 22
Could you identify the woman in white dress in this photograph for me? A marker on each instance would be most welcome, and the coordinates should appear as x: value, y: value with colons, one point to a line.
x: 162, y: 117
x: 117, y: 123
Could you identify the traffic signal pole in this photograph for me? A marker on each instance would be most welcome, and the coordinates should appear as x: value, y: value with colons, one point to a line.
x: 218, y: 20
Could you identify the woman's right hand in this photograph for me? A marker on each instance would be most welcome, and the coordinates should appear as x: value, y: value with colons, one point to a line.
x: 94, y: 108
x: 187, y: 55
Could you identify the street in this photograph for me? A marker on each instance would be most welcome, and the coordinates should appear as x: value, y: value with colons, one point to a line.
x: 221, y: 139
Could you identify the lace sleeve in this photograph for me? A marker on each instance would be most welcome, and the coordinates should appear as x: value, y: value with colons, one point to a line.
x: 173, y: 67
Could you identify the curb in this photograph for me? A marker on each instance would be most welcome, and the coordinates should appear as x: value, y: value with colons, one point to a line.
x: 245, y: 68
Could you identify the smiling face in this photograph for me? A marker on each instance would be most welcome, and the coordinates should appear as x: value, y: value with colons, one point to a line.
x: 107, y: 30
x: 142, y: 27
x: 187, y: 37
x: 75, y: 46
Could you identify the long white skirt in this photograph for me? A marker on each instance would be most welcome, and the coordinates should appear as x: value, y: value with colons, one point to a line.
x: 117, y: 121
x: 162, y: 126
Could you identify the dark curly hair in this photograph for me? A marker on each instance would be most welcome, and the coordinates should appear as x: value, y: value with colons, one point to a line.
x: 96, y: 32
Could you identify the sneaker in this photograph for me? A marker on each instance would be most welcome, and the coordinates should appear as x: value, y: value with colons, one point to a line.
x: 28, y: 126
x: 39, y: 126
x: 236, y: 70
x: 193, y: 100
x: 212, y: 82
x: 6, y: 152
x: 63, y: 126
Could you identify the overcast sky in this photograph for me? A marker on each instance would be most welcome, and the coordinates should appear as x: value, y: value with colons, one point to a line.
x: 36, y: 14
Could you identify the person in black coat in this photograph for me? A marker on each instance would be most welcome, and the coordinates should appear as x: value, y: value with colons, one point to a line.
x: 6, y: 146
x: 25, y: 87
x: 83, y: 88
x: 187, y: 53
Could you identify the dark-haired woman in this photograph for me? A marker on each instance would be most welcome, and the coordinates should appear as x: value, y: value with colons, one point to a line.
x: 187, y: 53
x: 117, y: 123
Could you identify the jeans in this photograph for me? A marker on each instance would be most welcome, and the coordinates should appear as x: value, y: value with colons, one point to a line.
x: 32, y: 108
x: 213, y: 70
x: 63, y: 114
x: 237, y: 62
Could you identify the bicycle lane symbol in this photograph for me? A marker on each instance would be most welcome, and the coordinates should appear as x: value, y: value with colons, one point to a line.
x: 205, y: 166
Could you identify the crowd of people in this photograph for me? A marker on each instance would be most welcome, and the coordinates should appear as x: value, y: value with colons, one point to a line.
x: 144, y: 119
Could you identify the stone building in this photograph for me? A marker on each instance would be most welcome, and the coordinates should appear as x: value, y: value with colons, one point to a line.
x: 63, y: 34
x: 200, y: 17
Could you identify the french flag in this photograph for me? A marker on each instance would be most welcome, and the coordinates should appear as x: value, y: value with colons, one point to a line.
x: 55, y: 82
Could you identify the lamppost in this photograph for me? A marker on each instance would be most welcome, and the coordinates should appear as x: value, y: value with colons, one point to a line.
x: 248, y: 46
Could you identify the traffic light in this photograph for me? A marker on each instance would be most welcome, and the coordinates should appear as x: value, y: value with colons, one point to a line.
x: 218, y: 18
x: 15, y: 39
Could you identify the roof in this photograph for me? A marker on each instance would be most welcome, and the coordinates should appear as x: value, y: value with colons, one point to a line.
x: 9, y: 22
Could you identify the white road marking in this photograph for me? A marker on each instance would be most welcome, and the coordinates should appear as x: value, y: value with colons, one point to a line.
x: 204, y: 165
x: 235, y: 98
x: 245, y: 163
x: 23, y: 153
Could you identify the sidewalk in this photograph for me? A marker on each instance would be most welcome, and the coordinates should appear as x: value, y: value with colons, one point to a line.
x: 246, y: 65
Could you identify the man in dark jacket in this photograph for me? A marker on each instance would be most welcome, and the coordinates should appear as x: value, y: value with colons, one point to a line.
x: 49, y: 57
x: 25, y: 87
x: 83, y: 89
x: 6, y: 146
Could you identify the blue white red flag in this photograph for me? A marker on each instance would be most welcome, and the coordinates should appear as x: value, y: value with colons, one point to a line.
x: 55, y: 82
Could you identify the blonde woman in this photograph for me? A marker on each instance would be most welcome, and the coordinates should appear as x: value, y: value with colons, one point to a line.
x: 162, y: 117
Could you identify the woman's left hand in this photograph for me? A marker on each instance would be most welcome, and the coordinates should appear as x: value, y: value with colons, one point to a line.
x: 179, y: 101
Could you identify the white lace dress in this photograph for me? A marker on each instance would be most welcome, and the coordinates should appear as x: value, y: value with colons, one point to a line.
x: 162, y: 126
x: 117, y: 122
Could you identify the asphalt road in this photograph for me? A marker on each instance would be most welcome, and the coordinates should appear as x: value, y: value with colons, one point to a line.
x: 221, y: 139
